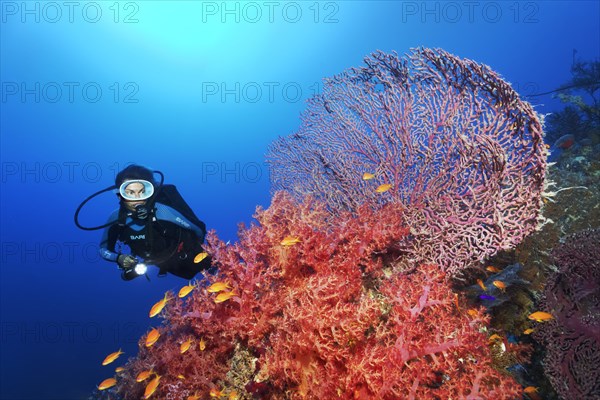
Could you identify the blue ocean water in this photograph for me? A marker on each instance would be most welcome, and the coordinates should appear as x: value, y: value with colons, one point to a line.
x: 197, y: 90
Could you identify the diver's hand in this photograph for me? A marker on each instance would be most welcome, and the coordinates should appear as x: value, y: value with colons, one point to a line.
x: 126, y: 261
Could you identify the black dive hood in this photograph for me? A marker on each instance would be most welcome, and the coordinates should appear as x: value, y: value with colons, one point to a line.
x: 141, y: 211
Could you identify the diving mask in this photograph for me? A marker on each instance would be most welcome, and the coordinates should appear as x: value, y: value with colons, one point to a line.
x: 136, y: 189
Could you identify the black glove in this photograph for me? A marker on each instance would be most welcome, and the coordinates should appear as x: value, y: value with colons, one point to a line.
x: 126, y: 261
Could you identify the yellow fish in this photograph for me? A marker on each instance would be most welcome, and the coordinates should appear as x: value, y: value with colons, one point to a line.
x: 185, y: 346
x: 181, y: 377
x: 472, y: 312
x: 481, y: 285
x: 456, y: 301
x: 200, y: 256
x: 383, y: 188
x: 224, y: 296
x: 528, y: 331
x: 500, y: 285
x: 290, y: 241
x: 217, y: 287
x: 202, y: 344
x: 157, y: 308
x: 366, y: 176
x: 142, y: 376
x: 107, y: 383
x: 493, y: 269
x: 152, y: 337
x: 119, y: 369
x: 494, y: 337
x: 541, y: 316
x: 530, y: 389
x: 112, y: 357
x: 151, y: 387
x: 184, y: 291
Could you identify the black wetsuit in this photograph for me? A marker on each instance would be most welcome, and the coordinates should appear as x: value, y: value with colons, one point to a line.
x: 172, y: 244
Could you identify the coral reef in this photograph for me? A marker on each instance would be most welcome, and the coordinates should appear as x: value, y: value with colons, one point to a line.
x: 320, y: 315
x: 572, y: 338
x: 463, y: 153
x: 573, y: 208
x: 405, y: 175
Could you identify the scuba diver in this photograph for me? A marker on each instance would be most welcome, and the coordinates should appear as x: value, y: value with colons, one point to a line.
x: 156, y: 224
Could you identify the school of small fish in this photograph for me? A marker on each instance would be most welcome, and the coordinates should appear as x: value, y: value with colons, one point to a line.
x: 223, y: 292
x: 382, y: 188
x: 538, y: 316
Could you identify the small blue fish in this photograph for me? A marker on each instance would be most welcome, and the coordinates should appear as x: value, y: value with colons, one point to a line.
x: 487, y: 297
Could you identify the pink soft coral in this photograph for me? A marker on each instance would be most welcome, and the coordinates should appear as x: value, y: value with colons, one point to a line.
x: 328, y: 317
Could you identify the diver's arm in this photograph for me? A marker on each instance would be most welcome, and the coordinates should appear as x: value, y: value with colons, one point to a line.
x: 109, y: 239
x: 166, y: 213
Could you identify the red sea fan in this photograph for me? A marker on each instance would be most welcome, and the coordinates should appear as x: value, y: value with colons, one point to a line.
x: 463, y: 153
x: 323, y: 318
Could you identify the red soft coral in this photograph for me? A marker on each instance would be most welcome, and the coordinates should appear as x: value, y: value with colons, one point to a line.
x: 327, y: 317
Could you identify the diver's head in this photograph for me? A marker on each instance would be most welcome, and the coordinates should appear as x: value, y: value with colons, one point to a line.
x: 136, y: 185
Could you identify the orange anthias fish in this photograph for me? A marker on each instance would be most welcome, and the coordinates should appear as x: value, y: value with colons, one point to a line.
x: 152, y: 337
x: 383, y: 188
x: 119, y: 369
x: 185, y: 346
x: 184, y: 291
x: 540, y: 316
x: 112, y: 357
x: 217, y: 287
x: 481, y: 285
x: 494, y: 337
x: 195, y: 396
x: 214, y: 392
x: 224, y: 296
x: 157, y: 308
x: 530, y: 389
x: 528, y: 331
x: 500, y: 285
x: 367, y: 175
x: 107, y: 383
x: 142, y: 376
x: 151, y: 387
x: 290, y: 241
x: 493, y: 269
x: 472, y: 312
x: 233, y: 395
x: 200, y: 256
x: 202, y: 344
